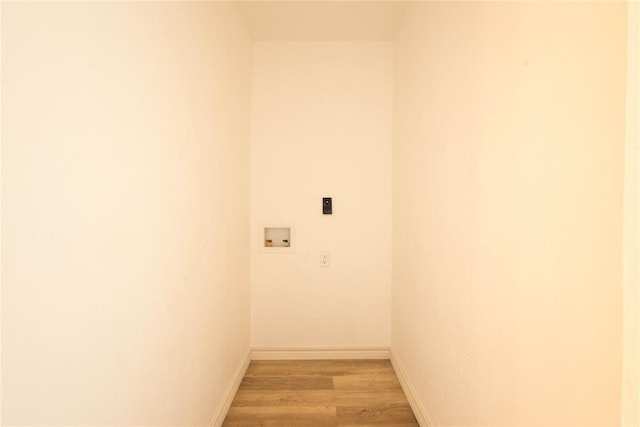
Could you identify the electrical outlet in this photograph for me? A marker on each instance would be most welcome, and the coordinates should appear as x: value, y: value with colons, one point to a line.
x: 324, y: 259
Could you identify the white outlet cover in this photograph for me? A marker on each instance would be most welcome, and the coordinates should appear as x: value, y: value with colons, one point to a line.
x: 325, y: 259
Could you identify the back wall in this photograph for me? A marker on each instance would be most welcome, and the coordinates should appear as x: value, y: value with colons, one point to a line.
x: 321, y: 126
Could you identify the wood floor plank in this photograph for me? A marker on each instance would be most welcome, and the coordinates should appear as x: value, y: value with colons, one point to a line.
x: 291, y: 382
x: 277, y: 423
x: 376, y: 415
x: 378, y: 425
x: 283, y: 415
x: 241, y: 424
x: 317, y: 367
x: 387, y: 381
x: 318, y: 397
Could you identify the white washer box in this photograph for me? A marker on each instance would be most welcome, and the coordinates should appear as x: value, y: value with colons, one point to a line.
x: 282, y: 238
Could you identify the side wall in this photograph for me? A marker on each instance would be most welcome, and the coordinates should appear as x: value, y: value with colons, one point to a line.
x: 631, y: 248
x: 125, y: 210
x: 321, y: 126
x: 507, y: 220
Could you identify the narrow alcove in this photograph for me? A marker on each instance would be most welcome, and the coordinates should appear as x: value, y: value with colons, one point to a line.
x: 480, y: 158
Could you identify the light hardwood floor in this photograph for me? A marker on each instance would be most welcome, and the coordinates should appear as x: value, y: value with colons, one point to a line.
x: 322, y: 393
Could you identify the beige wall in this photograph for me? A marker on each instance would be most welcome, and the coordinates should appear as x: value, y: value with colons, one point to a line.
x: 125, y: 173
x: 321, y: 126
x: 1, y: 186
x: 507, y: 196
x: 631, y: 252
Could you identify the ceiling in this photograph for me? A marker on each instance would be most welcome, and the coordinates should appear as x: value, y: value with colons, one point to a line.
x: 323, y: 20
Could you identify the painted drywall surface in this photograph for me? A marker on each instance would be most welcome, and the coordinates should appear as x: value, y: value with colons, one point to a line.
x: 0, y: 214
x: 321, y: 126
x: 336, y: 21
x: 507, y: 211
x: 125, y: 282
x: 631, y: 249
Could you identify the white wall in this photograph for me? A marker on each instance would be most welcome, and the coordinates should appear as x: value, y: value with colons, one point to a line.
x: 631, y: 249
x: 321, y: 126
x: 125, y: 211
x: 1, y: 187
x: 507, y: 193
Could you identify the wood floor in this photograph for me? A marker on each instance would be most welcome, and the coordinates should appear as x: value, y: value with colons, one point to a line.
x: 320, y: 393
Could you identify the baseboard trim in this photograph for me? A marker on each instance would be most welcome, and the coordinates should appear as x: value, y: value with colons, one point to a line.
x: 221, y: 413
x: 418, y: 409
x: 319, y: 353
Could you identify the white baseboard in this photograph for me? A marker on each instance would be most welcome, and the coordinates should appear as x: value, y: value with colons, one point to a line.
x: 221, y: 413
x: 418, y: 409
x: 319, y: 353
